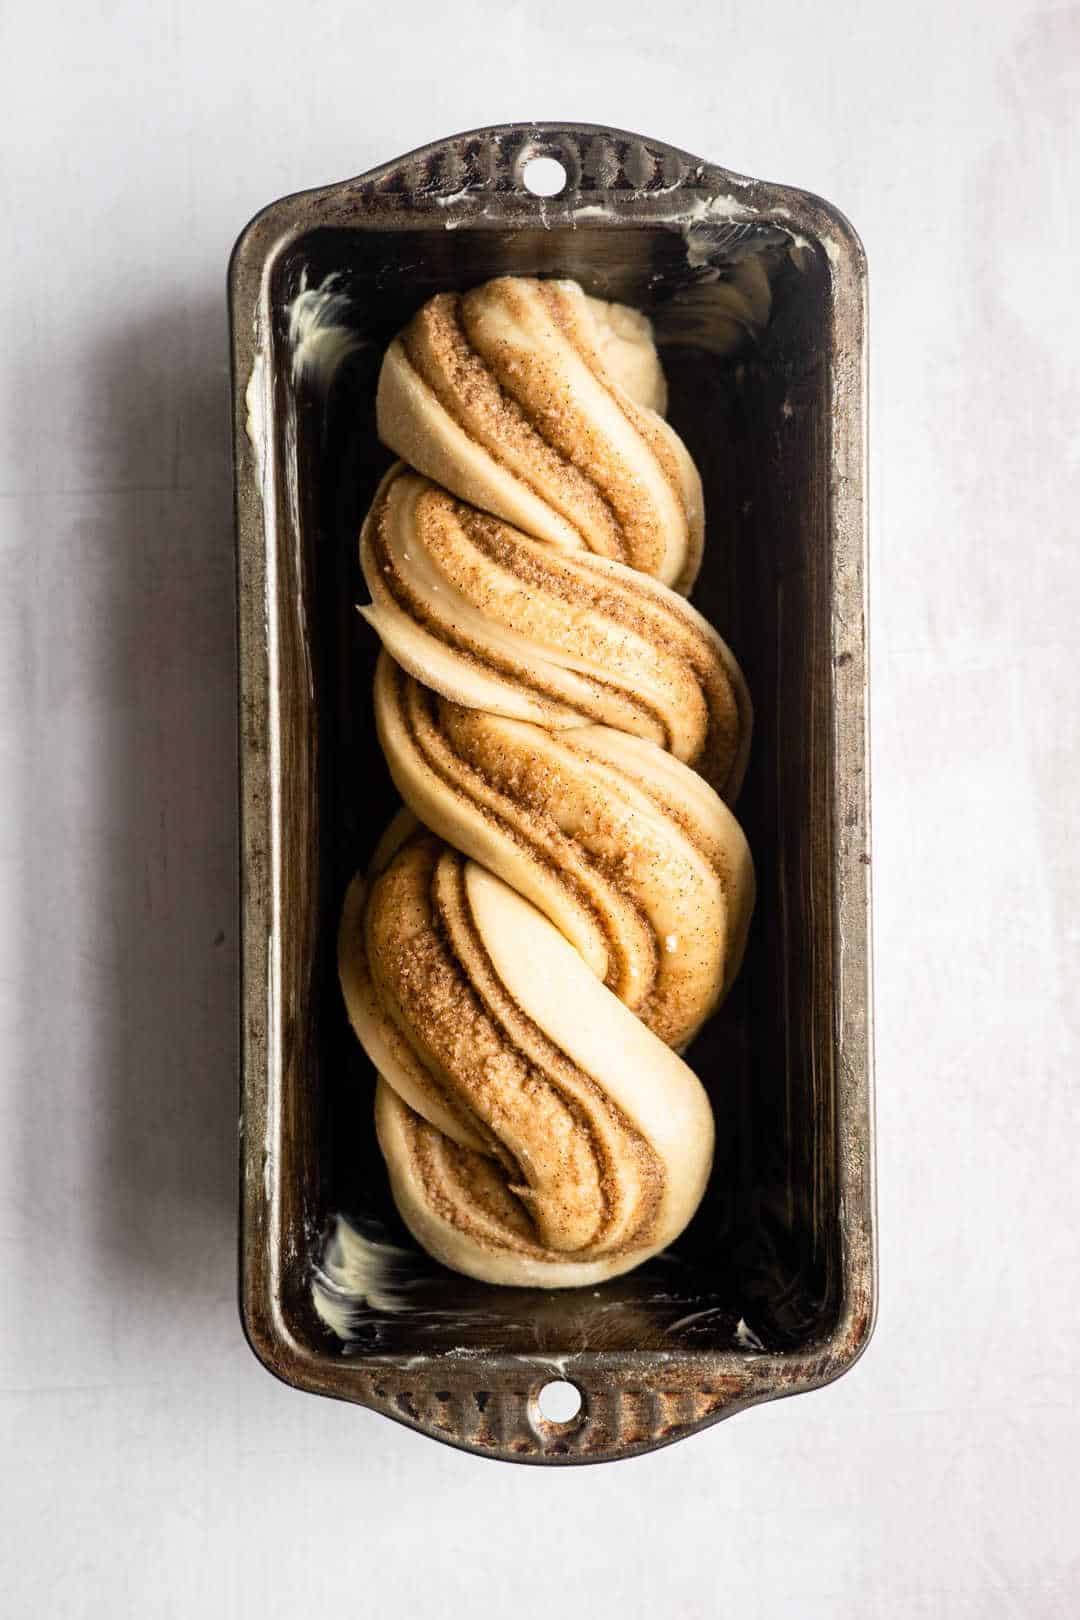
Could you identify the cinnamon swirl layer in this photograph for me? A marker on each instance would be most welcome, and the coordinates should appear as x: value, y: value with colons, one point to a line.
x: 635, y: 859
x: 496, y: 621
x: 518, y: 1150
x: 542, y: 406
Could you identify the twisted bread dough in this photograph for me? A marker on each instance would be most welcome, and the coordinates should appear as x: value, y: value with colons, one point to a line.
x: 542, y: 406
x: 565, y: 725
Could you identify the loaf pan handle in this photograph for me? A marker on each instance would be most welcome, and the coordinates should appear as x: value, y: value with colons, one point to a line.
x: 619, y: 1414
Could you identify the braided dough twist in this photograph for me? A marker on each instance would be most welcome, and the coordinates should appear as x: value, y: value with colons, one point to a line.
x: 567, y: 898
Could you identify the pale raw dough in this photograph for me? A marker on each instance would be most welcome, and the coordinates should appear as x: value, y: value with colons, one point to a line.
x: 503, y: 396
x: 568, y: 898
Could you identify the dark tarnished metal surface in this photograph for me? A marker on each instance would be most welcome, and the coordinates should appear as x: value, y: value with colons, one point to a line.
x: 771, y: 1291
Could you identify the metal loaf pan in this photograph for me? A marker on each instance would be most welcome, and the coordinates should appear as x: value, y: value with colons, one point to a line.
x: 771, y: 1290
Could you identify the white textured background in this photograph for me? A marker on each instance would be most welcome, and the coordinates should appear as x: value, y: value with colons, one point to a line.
x: 148, y: 1466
